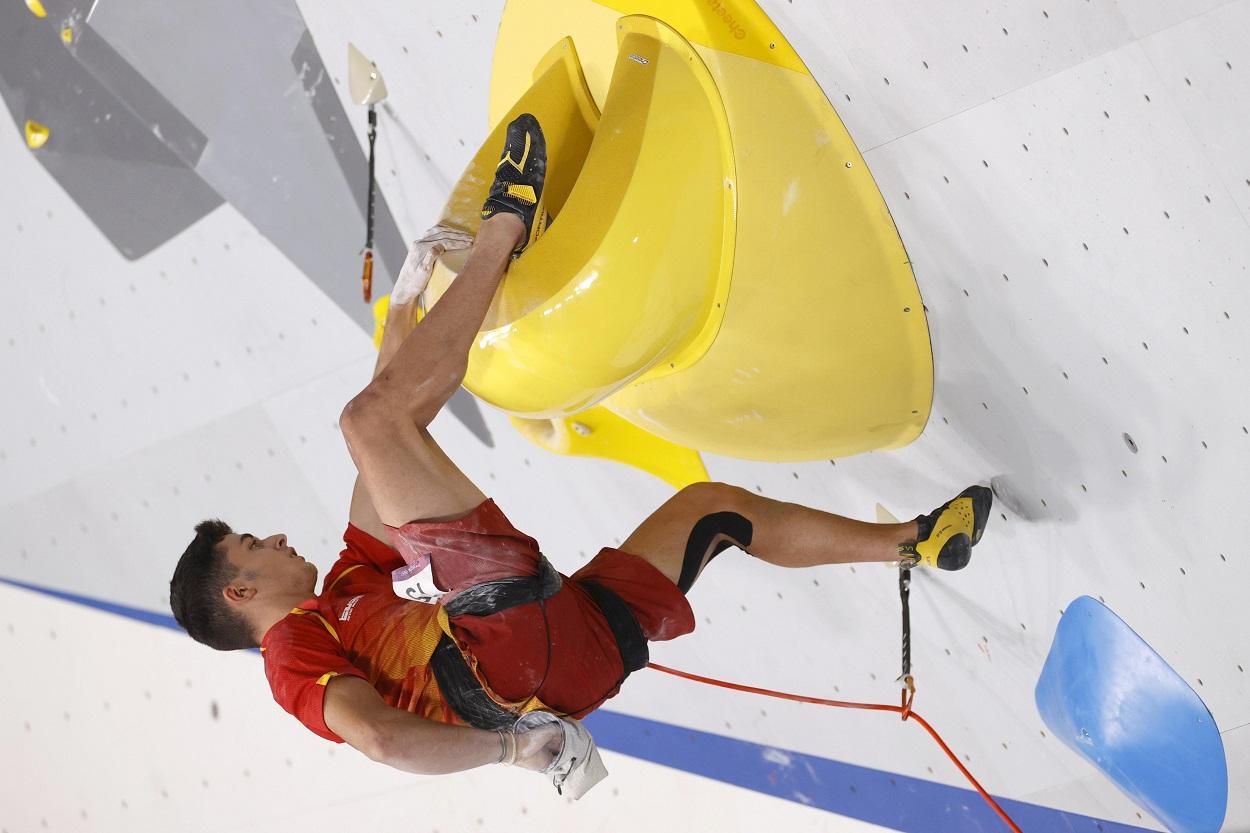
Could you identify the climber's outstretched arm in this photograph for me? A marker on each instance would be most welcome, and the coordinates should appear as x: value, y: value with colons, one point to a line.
x: 356, y: 712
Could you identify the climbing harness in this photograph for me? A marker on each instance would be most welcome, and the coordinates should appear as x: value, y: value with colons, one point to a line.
x: 461, y: 688
x: 904, y: 710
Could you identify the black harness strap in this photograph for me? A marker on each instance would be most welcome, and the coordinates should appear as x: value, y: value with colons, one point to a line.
x: 463, y: 692
x: 630, y: 640
x: 495, y: 596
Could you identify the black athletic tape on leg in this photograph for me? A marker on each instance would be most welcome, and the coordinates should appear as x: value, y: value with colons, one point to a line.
x: 737, y: 531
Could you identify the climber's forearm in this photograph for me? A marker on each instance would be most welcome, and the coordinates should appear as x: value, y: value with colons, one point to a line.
x: 428, y: 364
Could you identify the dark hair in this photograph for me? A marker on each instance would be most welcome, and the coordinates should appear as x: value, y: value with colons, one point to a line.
x: 195, y: 592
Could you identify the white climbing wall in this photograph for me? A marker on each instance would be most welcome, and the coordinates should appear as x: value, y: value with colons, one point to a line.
x: 1072, y: 181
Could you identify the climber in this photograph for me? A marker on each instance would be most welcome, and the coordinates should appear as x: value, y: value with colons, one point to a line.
x: 499, y: 654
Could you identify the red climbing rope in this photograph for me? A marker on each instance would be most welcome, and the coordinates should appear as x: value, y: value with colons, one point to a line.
x: 904, y: 710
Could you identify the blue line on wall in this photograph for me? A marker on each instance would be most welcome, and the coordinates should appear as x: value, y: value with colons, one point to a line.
x: 899, y: 802
x: 162, y: 619
x: 888, y: 799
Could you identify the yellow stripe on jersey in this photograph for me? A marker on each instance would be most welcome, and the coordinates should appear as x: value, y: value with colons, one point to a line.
x: 300, y: 611
x: 342, y: 575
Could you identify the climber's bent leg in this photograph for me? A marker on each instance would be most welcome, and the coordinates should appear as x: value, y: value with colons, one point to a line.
x: 407, y: 475
x: 704, y: 519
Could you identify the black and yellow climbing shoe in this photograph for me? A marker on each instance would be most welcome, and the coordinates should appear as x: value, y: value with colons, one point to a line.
x: 947, y: 535
x: 518, y: 185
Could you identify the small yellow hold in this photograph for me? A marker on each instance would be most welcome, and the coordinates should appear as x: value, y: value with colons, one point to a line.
x: 36, y: 134
x: 597, y: 432
x: 67, y: 35
x: 36, y: 8
x: 380, y: 308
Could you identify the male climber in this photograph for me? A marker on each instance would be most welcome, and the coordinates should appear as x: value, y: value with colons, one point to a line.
x: 499, y: 667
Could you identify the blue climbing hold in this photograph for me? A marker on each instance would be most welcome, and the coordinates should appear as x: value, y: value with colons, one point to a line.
x: 1106, y: 694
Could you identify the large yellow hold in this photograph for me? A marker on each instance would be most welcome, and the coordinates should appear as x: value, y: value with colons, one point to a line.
x: 721, y: 271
